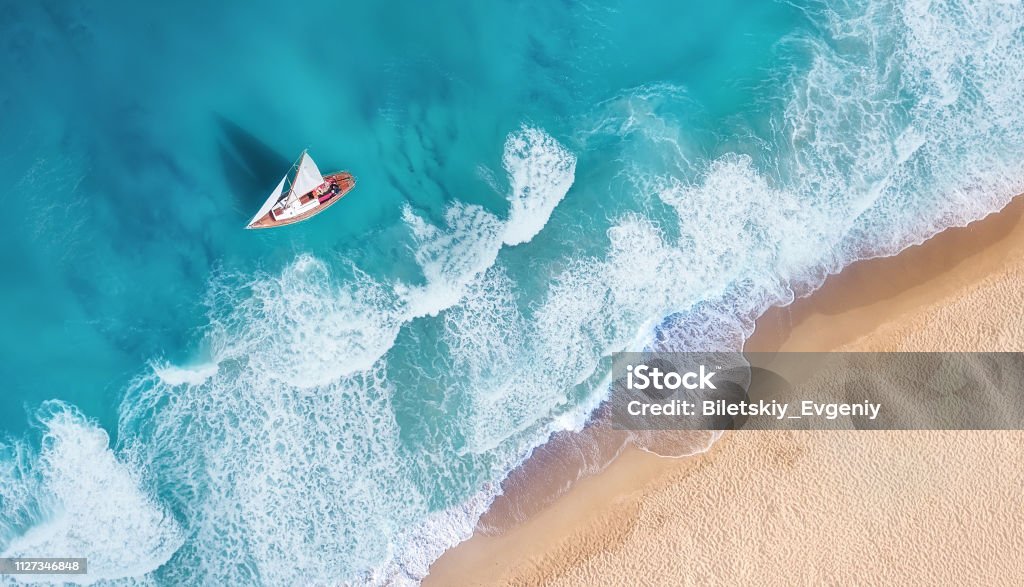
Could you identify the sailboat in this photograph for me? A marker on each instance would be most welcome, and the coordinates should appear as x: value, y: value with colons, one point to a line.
x: 302, y: 193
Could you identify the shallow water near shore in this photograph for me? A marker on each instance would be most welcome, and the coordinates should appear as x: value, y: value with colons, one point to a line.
x: 538, y: 187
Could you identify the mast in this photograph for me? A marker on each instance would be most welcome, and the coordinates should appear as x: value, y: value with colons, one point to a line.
x: 307, y: 178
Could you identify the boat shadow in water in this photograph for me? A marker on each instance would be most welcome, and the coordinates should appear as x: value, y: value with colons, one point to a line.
x: 250, y: 166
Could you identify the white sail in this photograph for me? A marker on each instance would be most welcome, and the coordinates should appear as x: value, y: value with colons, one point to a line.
x: 307, y: 177
x: 273, y: 199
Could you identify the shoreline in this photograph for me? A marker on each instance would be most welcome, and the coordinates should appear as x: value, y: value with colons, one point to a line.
x: 867, y: 294
x: 873, y: 304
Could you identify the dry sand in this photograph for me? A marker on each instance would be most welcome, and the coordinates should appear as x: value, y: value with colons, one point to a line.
x: 812, y: 507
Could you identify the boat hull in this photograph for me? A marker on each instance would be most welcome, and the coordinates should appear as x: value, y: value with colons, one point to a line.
x: 343, y: 179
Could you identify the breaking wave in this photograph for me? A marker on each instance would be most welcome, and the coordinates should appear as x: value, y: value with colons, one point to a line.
x: 190, y: 375
x: 78, y: 497
x: 541, y: 172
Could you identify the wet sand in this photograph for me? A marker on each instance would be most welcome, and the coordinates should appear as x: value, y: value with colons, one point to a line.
x: 808, y: 507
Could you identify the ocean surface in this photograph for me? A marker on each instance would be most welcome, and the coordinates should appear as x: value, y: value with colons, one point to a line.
x: 539, y: 185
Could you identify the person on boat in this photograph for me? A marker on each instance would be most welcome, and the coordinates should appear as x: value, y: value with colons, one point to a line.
x: 329, y: 193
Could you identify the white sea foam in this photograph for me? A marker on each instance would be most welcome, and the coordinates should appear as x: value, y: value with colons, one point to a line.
x: 278, y: 481
x: 89, y: 502
x: 187, y: 375
x: 427, y: 539
x: 540, y: 171
x: 450, y: 257
x: 301, y: 327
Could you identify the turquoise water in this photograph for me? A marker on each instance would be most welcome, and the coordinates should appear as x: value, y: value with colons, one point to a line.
x: 538, y: 186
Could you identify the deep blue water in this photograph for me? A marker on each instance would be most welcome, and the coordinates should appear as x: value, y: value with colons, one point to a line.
x: 539, y: 185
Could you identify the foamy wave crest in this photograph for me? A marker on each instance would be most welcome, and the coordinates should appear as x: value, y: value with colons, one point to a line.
x: 190, y: 375
x: 79, y: 498
x: 302, y: 327
x: 450, y: 257
x: 540, y: 172
x: 524, y: 368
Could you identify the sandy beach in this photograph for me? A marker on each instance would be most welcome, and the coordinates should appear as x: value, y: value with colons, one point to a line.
x: 810, y: 507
